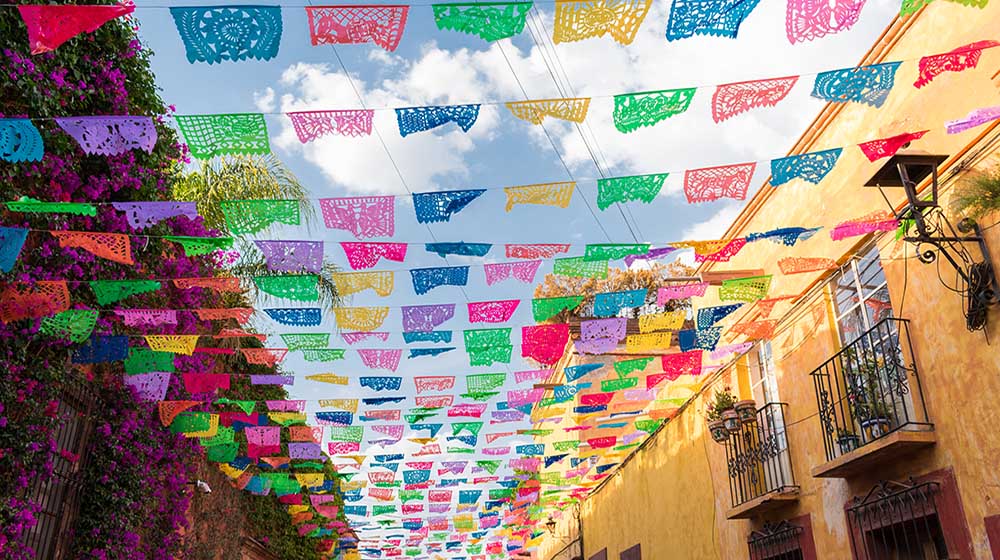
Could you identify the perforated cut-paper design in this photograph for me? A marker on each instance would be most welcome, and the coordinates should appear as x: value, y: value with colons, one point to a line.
x: 292, y: 256
x: 348, y: 283
x: 422, y: 119
x: 865, y: 84
x: 652, y: 254
x: 667, y: 321
x: 380, y: 24
x: 169, y: 410
x: 683, y: 363
x: 298, y: 341
x: 147, y: 317
x: 264, y: 356
x: 577, y: 267
x: 544, y: 194
x: 252, y: 216
x: 360, y: 318
x: 733, y: 99
x: 808, y: 20
x: 32, y: 206
x: 745, y: 289
x: 610, y: 303
x: 74, y: 325
x: 298, y: 287
x: 141, y: 215
x: 704, y: 339
x: 492, y: 311
x: 51, y: 26
x: 176, y: 343
x: 110, y: 135
x: 311, y: 125
x: 490, y: 21
x: 756, y: 330
x: 976, y: 117
x: 955, y: 60
x: 220, y: 284
x: 486, y: 346
x: 811, y: 167
x: 380, y: 358
x: 648, y: 342
x: 484, y: 382
x: 522, y: 271
x: 544, y: 343
x: 642, y: 188
x: 20, y: 141
x: 194, y: 246
x: 545, y: 308
x: 459, y: 248
x: 570, y: 109
x: 719, y: 18
x: 208, y: 136
x: 363, y: 216
x: 24, y: 301
x: 11, y: 242
x: 536, y: 251
x: 636, y: 110
x: 613, y: 251
x: 217, y: 33
x: 720, y: 250
x: 800, y: 265
x: 880, y: 220
x: 366, y: 255
x: 296, y: 316
x: 576, y: 20
x: 434, y: 383
x: 426, y: 279
x: 601, y: 334
x: 875, y: 150
x: 440, y: 206
x: 151, y: 387
x: 356, y: 337
x: 426, y: 317
x: 709, y: 316
x: 112, y: 246
x: 712, y: 183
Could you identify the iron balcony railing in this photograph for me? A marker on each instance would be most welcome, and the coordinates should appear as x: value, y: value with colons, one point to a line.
x: 870, y: 389
x: 757, y: 456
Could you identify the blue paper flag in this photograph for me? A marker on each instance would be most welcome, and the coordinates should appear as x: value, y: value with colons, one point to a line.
x: 469, y: 496
x: 11, y: 241
x: 335, y: 417
x: 610, y: 303
x: 296, y: 316
x: 467, y: 439
x: 216, y: 33
x: 379, y: 401
x: 530, y: 449
x: 432, y: 428
x: 811, y: 167
x: 563, y: 393
x: 429, y: 336
x: 426, y: 279
x: 381, y: 383
x: 387, y: 466
x: 720, y: 18
x: 360, y: 511
x: 553, y: 459
x: 708, y: 316
x: 101, y: 349
x: 420, y: 119
x: 605, y: 468
x: 787, y: 236
x: 439, y: 206
x: 590, y: 409
x: 416, y: 477
x: 20, y: 141
x: 418, y: 352
x: 389, y: 458
x: 864, y: 84
x: 576, y: 372
x: 461, y: 248
x: 704, y: 339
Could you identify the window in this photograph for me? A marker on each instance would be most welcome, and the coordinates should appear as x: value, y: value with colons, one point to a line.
x: 898, y: 521
x: 602, y: 555
x: 763, y: 383
x: 781, y: 541
x: 634, y: 553
x: 860, y: 294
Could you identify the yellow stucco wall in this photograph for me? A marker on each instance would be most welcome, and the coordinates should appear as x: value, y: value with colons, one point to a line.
x: 672, y: 495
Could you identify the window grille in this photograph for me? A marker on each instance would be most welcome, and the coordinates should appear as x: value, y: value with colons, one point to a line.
x: 776, y: 541
x: 898, y: 521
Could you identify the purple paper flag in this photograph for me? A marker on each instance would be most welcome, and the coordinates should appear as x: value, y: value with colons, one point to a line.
x: 292, y: 256
x: 141, y: 215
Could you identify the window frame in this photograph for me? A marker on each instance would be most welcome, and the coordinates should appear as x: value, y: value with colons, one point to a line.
x: 853, y: 267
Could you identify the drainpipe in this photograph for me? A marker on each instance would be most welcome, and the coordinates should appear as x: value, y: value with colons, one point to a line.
x: 579, y: 528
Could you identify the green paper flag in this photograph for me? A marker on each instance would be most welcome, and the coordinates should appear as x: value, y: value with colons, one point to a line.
x: 636, y: 110
x: 488, y: 466
x: 490, y: 21
x: 252, y: 216
x: 72, y: 324
x: 298, y: 341
x: 609, y: 385
x: 547, y: 308
x: 460, y: 450
x: 480, y: 396
x: 567, y: 445
x: 144, y: 360
x: 382, y: 510
x: 535, y: 432
x: 110, y: 291
x: 410, y: 495
x: 208, y: 136
x: 752, y: 288
x: 625, y: 189
x: 488, y: 346
x: 577, y: 267
x: 194, y: 246
x: 32, y: 206
x: 484, y: 382
x: 191, y: 422
x: 222, y: 453
x: 649, y: 425
x: 611, y: 251
x: 225, y: 434
x: 299, y: 287
x: 322, y: 354
x: 472, y: 427
x: 625, y: 367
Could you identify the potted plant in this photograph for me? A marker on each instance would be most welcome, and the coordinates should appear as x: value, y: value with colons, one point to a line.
x: 847, y: 440
x: 876, y: 417
x: 746, y: 410
x: 719, y: 409
x: 868, y: 397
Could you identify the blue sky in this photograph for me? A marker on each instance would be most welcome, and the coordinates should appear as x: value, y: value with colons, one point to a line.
x: 441, y: 67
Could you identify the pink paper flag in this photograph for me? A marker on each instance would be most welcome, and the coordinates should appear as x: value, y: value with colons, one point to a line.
x: 807, y: 20
x: 364, y: 216
x: 366, y: 255
x: 523, y: 271
x: 681, y: 291
x: 492, y: 311
x: 730, y: 100
x: 544, y: 343
x: 380, y: 358
x: 51, y: 26
x: 712, y: 183
x: 310, y: 125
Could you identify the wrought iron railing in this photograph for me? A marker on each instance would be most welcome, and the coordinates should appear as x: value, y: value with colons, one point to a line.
x: 870, y: 389
x: 757, y: 456
x: 776, y: 541
x: 898, y: 520
x: 59, y: 495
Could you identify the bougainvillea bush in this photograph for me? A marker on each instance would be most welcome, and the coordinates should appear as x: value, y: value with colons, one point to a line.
x: 134, y: 502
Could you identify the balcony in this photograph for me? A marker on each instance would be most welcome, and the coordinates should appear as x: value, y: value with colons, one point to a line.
x: 760, y: 470
x: 871, y: 405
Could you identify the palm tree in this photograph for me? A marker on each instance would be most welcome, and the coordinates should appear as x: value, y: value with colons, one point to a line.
x: 250, y: 177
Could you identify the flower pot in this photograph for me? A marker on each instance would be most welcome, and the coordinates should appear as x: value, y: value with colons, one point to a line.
x: 718, y: 430
x: 847, y: 443
x: 747, y: 410
x: 732, y: 421
x: 877, y: 427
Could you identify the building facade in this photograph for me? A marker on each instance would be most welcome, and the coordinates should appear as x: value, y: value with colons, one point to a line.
x: 873, y: 435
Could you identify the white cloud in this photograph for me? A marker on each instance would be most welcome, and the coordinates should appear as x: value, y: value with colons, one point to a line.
x: 714, y: 227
